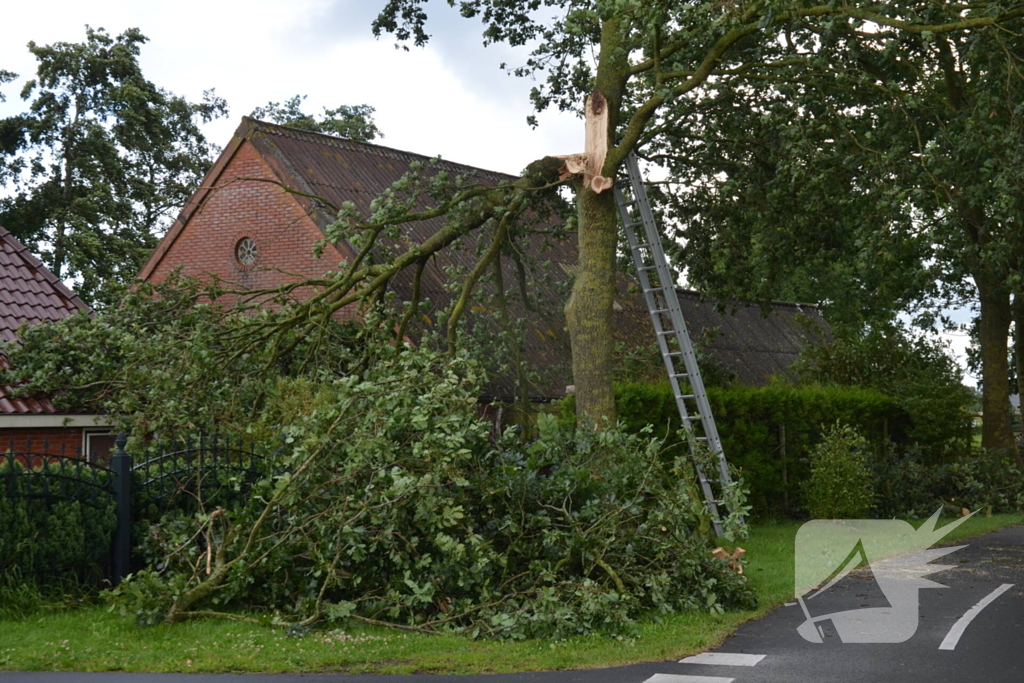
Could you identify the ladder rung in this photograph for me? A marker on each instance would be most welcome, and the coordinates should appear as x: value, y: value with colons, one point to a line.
x: 660, y: 302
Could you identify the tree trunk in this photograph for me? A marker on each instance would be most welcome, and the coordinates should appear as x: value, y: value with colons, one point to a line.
x: 993, y: 333
x: 589, y: 311
x: 1018, y: 352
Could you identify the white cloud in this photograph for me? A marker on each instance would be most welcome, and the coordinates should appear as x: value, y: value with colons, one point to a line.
x: 448, y: 99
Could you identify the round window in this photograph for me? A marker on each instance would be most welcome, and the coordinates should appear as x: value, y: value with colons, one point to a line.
x: 246, y: 252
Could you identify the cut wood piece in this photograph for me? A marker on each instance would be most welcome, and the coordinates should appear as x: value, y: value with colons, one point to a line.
x: 596, y: 141
x: 591, y: 162
x: 575, y: 164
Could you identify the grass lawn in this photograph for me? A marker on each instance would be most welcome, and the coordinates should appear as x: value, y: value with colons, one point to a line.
x: 92, y: 639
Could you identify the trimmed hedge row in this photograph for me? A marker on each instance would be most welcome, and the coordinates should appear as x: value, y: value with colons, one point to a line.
x: 56, y: 521
x: 768, y: 432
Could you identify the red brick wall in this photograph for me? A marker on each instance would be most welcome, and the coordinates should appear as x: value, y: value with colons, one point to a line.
x: 51, y: 441
x: 284, y: 234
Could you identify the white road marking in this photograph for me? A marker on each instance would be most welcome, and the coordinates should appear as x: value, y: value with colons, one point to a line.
x: 953, y: 637
x: 672, y: 678
x: 723, y: 659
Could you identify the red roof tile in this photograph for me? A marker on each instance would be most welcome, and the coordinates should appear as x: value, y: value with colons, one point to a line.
x: 29, y: 293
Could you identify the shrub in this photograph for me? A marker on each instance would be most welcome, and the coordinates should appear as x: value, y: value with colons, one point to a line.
x: 394, y: 506
x: 55, y: 524
x: 840, y: 484
x: 915, y: 370
x: 904, y: 485
x: 987, y: 481
x: 749, y: 420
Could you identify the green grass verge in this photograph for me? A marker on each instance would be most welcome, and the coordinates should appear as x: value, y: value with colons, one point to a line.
x: 93, y: 639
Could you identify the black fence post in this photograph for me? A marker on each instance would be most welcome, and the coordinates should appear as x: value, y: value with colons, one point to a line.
x: 122, y: 466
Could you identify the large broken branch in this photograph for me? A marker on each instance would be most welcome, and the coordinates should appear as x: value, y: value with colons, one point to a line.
x: 362, y: 280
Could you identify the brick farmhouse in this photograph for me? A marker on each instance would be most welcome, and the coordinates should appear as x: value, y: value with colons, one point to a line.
x: 264, y: 206
x: 271, y: 194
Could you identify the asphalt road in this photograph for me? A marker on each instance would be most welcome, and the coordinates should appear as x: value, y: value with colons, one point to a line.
x: 990, y: 647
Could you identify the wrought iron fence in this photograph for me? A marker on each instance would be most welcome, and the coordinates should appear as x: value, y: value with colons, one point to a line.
x: 57, y: 517
x: 192, y: 474
x: 63, y: 516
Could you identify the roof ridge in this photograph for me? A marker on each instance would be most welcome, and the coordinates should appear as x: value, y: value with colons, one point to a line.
x: 368, y: 147
x: 747, y: 304
x: 42, y: 271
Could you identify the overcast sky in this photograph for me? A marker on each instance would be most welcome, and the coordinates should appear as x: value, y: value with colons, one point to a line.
x: 449, y: 99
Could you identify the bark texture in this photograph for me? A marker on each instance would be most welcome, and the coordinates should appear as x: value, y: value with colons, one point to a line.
x: 1018, y: 352
x: 993, y: 335
x: 589, y: 311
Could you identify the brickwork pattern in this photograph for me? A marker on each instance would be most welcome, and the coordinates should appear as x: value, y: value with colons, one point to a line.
x: 274, y: 219
x: 44, y: 440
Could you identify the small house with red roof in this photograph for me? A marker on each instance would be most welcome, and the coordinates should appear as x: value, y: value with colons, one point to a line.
x: 30, y: 294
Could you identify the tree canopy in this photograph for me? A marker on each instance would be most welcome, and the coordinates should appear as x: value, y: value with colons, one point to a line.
x: 100, y: 160
x: 383, y: 495
x: 883, y: 177
x: 348, y: 121
x: 670, y: 71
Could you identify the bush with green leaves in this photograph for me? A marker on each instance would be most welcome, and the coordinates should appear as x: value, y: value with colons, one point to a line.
x: 390, y: 501
x: 987, y: 480
x: 394, y: 506
x: 57, y: 520
x: 840, y: 485
x: 917, y: 371
x: 749, y: 420
x: 904, y: 485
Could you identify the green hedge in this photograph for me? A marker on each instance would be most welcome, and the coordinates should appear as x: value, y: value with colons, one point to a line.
x: 53, y: 524
x: 750, y: 420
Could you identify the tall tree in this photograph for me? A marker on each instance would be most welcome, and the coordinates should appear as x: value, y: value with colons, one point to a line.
x: 647, y: 58
x: 10, y: 133
x: 884, y: 176
x: 348, y: 121
x: 101, y: 159
x: 6, y: 77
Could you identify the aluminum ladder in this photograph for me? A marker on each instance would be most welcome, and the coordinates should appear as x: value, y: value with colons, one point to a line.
x: 659, y: 289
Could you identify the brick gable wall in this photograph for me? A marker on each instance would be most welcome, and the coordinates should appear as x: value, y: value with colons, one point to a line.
x: 284, y: 234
